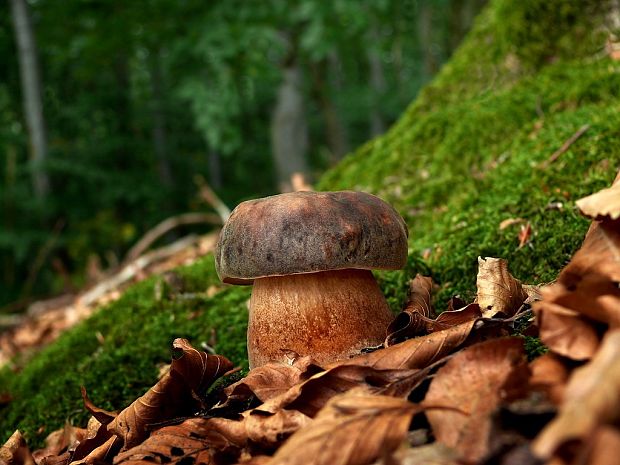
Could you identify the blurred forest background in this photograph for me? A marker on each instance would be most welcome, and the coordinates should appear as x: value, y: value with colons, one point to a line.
x: 109, y: 110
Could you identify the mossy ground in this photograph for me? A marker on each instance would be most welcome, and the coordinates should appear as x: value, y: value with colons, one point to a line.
x: 466, y: 155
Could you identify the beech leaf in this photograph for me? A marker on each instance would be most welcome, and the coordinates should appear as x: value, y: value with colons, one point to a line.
x: 605, y: 204
x: 469, y: 388
x: 565, y: 332
x: 272, y: 379
x: 176, y: 393
x: 15, y: 451
x: 194, y: 441
x: 353, y: 428
x: 418, y: 352
x: 591, y: 398
x: 412, y: 320
x: 498, y: 291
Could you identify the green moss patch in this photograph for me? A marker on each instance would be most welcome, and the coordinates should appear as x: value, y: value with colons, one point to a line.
x: 115, y: 354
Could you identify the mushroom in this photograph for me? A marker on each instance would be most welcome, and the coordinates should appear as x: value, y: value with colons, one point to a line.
x: 309, y: 256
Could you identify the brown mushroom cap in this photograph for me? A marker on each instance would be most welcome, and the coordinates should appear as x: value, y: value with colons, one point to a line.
x: 306, y: 232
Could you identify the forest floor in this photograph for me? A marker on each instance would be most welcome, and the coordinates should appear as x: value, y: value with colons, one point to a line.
x: 451, y: 387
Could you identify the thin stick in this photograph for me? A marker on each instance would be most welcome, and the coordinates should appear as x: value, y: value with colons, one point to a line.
x: 168, y: 224
x: 209, y: 196
x: 565, y: 146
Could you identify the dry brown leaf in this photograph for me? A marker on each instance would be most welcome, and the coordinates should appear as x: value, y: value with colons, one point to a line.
x: 509, y: 222
x: 430, y: 454
x: 194, y: 441
x: 60, y: 441
x: 100, y: 454
x: 498, y: 291
x: 469, y: 388
x: 603, y: 205
x: 268, y: 429
x: 412, y: 320
x: 415, y: 353
x: 353, y: 428
x: 566, y: 332
x: 589, y: 283
x: 604, y: 446
x: 591, y: 399
x: 15, y: 451
x: 525, y: 234
x: 311, y: 396
x: 549, y: 375
x: 272, y: 379
x: 451, y: 318
x: 175, y: 395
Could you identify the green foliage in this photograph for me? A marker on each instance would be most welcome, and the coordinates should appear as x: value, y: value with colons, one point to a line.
x: 116, y: 352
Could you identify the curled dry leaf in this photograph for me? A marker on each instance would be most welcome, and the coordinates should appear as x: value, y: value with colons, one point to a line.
x: 469, y: 388
x: 591, y: 399
x: 194, y: 441
x: 430, y: 454
x: 353, y: 428
x: 566, y: 332
x: 60, y: 441
x: 176, y: 394
x: 589, y: 283
x: 412, y: 320
x: 603, y: 205
x: 272, y: 379
x: 451, y: 318
x: 498, y: 291
x: 549, y: 375
x: 15, y: 451
x: 415, y: 353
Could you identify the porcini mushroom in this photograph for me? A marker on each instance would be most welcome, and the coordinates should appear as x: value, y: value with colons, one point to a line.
x: 309, y: 256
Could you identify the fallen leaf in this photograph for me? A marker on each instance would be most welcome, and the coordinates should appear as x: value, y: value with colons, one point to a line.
x: 591, y: 399
x: 15, y: 451
x: 469, y: 388
x: 565, y: 332
x: 430, y: 454
x: 418, y: 352
x: 412, y: 320
x: 549, y: 375
x: 174, y: 395
x: 60, y: 441
x: 498, y: 291
x: 269, y: 430
x: 509, y: 222
x: 525, y: 233
x: 272, y: 379
x: 451, y: 318
x: 353, y: 428
x: 604, y: 446
x: 603, y: 205
x: 102, y: 453
x: 589, y: 283
x: 193, y: 441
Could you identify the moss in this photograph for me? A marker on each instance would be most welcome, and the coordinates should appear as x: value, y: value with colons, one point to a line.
x: 464, y: 156
x: 115, y: 353
x: 468, y: 153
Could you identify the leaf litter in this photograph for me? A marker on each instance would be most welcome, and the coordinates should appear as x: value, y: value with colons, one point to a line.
x: 451, y: 387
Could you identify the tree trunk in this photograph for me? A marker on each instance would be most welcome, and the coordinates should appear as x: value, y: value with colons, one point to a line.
x: 159, y: 123
x: 31, y: 94
x: 215, y: 169
x: 289, y: 129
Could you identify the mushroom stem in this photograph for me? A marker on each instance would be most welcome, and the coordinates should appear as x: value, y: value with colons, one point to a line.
x: 329, y: 315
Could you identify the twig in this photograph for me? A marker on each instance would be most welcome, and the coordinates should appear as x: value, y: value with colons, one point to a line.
x: 209, y: 196
x: 168, y: 224
x: 565, y: 146
x: 133, y: 268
